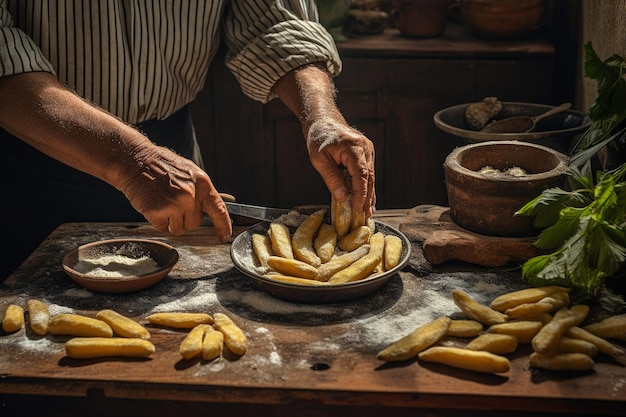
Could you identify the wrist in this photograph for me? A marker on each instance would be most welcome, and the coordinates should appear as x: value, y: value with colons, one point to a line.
x: 309, y: 92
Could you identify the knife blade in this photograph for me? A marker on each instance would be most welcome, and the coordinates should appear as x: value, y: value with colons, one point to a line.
x: 257, y: 212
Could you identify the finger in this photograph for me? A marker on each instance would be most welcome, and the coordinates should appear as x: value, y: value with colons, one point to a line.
x: 372, y: 206
x: 211, y: 203
x: 214, y: 207
x: 363, y: 188
x: 159, y: 222
x: 361, y: 180
x: 176, y: 225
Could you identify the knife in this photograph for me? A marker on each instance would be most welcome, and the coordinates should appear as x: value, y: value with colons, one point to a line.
x: 258, y: 212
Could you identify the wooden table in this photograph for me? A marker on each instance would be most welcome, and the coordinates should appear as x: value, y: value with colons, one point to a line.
x: 303, y: 360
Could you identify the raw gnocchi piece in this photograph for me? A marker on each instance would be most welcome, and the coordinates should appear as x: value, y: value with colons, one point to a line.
x: 393, y: 251
x: 325, y: 242
x: 38, y: 317
x: 499, y: 344
x: 13, y: 318
x: 213, y: 344
x: 70, y: 324
x: 179, y: 320
x: 302, y: 239
x: 561, y: 361
x: 547, y: 339
x: 419, y: 339
x: 281, y: 240
x: 262, y: 247
x: 122, y: 325
x: 471, y: 360
x: 98, y: 347
x: 191, y: 346
x: 476, y: 311
x: 234, y: 338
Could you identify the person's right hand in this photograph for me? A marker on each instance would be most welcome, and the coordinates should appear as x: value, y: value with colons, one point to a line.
x: 170, y: 191
x: 173, y: 193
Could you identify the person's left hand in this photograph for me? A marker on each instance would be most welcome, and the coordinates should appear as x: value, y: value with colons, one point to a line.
x: 344, y: 158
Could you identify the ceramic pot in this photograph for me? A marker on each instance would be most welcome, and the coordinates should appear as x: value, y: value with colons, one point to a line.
x: 420, y: 18
x: 486, y: 204
x: 503, y: 18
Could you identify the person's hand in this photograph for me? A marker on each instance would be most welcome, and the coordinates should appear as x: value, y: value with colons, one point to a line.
x: 344, y: 158
x: 170, y: 191
x: 342, y: 155
x: 173, y: 193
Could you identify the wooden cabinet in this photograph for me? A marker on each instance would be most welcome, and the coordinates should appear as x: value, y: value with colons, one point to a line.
x: 390, y: 89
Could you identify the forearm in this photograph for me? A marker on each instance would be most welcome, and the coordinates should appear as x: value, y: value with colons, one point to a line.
x: 309, y: 93
x: 342, y: 155
x: 39, y: 110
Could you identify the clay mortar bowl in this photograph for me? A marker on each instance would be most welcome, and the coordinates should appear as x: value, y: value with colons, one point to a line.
x: 486, y: 204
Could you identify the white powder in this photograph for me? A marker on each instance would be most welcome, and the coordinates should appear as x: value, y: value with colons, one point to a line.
x: 513, y: 171
x: 197, y: 302
x: 116, y: 266
x: 40, y: 346
x: 275, y: 359
x: 261, y: 330
x: 56, y: 309
x: 291, y: 219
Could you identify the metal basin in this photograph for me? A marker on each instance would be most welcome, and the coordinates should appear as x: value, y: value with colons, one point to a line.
x: 556, y: 131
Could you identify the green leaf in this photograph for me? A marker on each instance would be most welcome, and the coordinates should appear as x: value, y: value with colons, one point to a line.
x: 544, y: 270
x: 609, y: 247
x: 608, y: 111
x: 588, y: 237
x: 554, y: 236
x: 548, y: 205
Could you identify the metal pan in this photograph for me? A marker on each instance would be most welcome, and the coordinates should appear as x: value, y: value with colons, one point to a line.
x: 245, y: 261
x: 561, y: 126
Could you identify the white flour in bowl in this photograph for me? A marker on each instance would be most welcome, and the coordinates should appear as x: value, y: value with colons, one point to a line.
x: 116, y: 266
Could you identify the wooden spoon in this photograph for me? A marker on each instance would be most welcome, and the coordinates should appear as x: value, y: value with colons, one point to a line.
x: 522, y: 124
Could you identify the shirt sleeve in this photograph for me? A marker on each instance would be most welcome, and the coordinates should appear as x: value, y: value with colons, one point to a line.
x: 268, y: 38
x: 18, y: 52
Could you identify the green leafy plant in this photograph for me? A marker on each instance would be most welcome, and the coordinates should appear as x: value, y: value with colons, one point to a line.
x: 585, y: 229
x: 584, y: 225
x: 608, y: 112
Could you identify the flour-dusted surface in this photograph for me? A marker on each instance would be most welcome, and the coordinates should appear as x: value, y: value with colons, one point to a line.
x: 297, y: 352
x: 209, y: 283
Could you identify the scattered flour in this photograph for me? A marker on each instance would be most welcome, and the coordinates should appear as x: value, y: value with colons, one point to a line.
x: 262, y: 330
x: 39, y: 345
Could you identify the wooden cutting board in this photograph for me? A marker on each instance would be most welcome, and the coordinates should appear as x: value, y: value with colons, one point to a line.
x: 443, y: 240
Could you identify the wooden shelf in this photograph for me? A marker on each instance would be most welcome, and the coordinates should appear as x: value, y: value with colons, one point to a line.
x: 456, y: 42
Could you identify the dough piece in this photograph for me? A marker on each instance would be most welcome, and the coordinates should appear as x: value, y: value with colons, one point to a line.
x: 479, y: 114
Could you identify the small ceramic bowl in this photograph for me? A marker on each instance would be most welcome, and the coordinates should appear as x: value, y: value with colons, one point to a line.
x: 120, y: 265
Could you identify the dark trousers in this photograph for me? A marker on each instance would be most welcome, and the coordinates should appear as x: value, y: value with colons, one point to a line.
x: 40, y: 193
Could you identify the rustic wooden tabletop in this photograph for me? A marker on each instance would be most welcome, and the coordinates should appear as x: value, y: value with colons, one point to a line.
x: 303, y: 359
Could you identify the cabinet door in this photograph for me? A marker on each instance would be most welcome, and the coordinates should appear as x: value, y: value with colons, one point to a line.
x: 407, y: 94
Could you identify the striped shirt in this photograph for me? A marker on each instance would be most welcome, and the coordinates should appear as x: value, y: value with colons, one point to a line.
x: 146, y: 59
